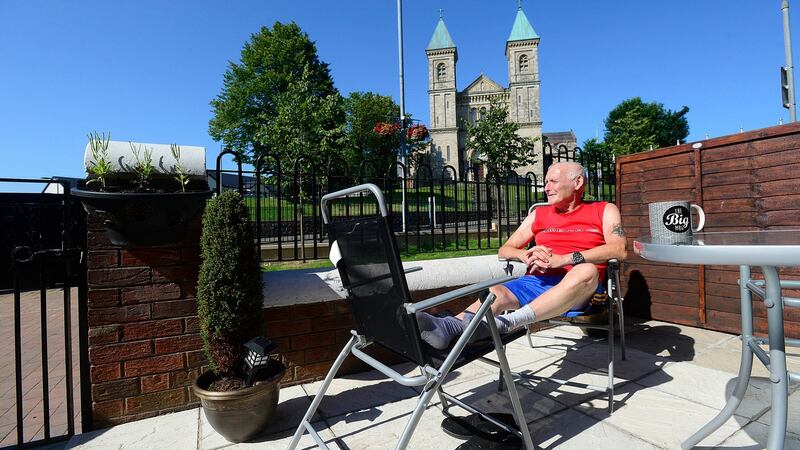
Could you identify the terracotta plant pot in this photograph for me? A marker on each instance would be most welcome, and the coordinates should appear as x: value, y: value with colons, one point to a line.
x: 242, y: 414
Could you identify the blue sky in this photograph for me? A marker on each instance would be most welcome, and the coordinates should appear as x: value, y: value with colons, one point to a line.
x: 146, y: 70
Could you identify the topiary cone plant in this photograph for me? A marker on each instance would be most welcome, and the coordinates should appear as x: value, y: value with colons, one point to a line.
x: 229, y: 307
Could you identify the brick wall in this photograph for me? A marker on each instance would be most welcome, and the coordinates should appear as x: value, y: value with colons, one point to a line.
x: 144, y: 342
x: 310, y: 336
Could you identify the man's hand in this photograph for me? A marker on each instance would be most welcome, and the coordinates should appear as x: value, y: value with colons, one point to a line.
x: 538, y: 258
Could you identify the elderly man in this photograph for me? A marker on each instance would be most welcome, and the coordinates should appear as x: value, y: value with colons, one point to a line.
x: 574, y: 240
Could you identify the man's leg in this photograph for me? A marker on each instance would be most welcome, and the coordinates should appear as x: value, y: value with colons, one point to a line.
x: 575, y: 289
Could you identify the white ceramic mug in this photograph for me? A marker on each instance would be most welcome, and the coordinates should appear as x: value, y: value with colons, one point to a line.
x: 671, y: 222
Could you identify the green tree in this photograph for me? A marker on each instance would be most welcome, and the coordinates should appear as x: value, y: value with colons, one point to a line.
x: 634, y: 126
x: 363, y: 110
x: 593, y: 149
x: 249, y: 102
x: 494, y: 141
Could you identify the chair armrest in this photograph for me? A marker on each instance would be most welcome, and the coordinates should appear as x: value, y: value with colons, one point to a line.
x: 412, y: 269
x: 412, y: 308
x: 511, y: 264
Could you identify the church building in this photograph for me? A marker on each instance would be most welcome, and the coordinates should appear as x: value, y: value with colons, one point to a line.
x: 449, y: 108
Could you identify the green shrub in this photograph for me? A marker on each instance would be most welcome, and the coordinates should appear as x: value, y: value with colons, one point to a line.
x: 229, y: 288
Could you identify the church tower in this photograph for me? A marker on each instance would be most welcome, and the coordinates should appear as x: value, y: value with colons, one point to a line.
x: 522, y: 54
x: 442, y: 58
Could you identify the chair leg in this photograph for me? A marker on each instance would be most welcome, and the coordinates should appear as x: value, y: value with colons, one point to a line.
x: 622, y: 329
x: 424, y: 399
x: 610, y: 388
x: 306, y: 421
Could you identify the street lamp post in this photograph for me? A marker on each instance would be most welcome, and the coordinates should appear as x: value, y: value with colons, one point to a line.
x: 789, y: 70
x: 402, y: 155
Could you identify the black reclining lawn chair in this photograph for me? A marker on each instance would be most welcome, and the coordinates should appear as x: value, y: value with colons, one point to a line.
x: 611, y: 304
x: 366, y: 256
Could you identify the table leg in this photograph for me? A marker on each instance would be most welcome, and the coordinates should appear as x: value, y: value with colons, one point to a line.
x: 745, y: 366
x: 777, y: 359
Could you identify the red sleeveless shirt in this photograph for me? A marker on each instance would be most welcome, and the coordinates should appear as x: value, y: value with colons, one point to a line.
x: 575, y: 231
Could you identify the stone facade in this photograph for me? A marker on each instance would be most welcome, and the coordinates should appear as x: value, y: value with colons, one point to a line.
x: 450, y: 108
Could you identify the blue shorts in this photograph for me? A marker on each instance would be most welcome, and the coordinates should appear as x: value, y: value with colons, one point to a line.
x: 528, y: 287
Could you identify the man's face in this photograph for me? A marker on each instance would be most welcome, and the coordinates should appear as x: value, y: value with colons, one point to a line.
x: 559, y: 188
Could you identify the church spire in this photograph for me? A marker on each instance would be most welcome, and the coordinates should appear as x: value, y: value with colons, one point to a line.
x: 441, y: 37
x: 522, y: 29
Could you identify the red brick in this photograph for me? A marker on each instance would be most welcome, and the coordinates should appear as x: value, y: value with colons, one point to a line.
x: 151, y: 329
x: 291, y: 359
x: 98, y: 298
x: 340, y: 307
x: 312, y: 340
x: 311, y: 310
x: 319, y: 354
x: 191, y: 325
x: 186, y: 342
x: 105, y: 372
x: 115, y: 389
x: 145, y: 294
x: 149, y: 257
x: 311, y: 371
x: 97, y: 240
x: 289, y: 328
x: 277, y: 314
x: 121, y: 276
x: 154, y: 383
x: 154, y: 364
x: 283, y: 344
x: 174, y: 274
x: 102, y: 259
x: 195, y: 359
x: 108, y: 334
x: 184, y: 377
x: 175, y: 308
x: 119, y: 352
x: 118, y: 314
x: 333, y: 322
x: 189, y: 289
x: 111, y: 408
x: 155, y: 401
x: 191, y: 255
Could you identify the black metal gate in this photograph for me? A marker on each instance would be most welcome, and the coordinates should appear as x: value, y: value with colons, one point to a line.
x: 43, y: 300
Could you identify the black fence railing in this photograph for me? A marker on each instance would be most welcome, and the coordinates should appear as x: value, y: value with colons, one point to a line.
x: 431, y: 211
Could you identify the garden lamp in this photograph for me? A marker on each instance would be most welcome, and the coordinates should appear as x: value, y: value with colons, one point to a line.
x: 258, y: 350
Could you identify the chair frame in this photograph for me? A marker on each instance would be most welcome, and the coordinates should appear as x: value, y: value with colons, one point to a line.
x: 431, y: 378
x: 613, y: 306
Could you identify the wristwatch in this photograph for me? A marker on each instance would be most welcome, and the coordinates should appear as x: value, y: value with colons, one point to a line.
x: 577, y: 258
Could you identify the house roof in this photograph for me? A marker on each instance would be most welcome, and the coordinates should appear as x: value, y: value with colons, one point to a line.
x: 441, y: 38
x: 557, y: 137
x: 522, y: 29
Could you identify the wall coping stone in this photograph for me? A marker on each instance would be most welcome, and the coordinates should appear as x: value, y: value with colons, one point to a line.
x: 293, y: 287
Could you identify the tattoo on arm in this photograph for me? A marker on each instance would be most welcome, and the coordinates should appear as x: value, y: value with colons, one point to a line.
x: 617, y: 229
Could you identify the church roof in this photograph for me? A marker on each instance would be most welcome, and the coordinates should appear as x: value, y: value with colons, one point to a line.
x: 522, y: 29
x: 441, y: 38
x: 482, y: 84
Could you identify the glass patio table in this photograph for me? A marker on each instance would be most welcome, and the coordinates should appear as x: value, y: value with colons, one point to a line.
x: 768, y: 249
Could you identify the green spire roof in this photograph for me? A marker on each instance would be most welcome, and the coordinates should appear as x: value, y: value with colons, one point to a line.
x: 522, y: 30
x: 441, y: 38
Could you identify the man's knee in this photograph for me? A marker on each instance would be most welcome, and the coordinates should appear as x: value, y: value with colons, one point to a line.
x: 585, y: 275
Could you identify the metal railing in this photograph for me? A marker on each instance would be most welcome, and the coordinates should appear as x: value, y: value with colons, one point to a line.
x: 431, y: 210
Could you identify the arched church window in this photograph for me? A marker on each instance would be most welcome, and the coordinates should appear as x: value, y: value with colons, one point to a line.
x: 523, y: 63
x: 441, y: 72
x: 473, y: 115
x: 483, y: 113
x: 448, y: 153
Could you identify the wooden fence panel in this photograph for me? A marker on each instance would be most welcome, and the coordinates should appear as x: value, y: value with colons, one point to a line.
x: 745, y: 181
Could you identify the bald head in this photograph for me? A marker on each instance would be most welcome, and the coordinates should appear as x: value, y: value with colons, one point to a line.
x: 570, y: 169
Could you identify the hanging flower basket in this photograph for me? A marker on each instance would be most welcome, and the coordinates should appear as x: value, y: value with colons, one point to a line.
x: 417, y: 133
x: 386, y: 129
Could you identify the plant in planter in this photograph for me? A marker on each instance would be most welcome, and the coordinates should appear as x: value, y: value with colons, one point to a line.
x: 141, y: 197
x: 229, y: 307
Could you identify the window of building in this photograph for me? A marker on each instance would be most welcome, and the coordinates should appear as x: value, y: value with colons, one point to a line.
x: 441, y: 72
x: 448, y: 153
x: 483, y: 113
x: 473, y: 115
x: 523, y: 63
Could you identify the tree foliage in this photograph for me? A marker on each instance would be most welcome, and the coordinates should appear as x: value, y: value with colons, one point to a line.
x: 494, y: 141
x: 362, y: 111
x: 634, y: 126
x: 229, y: 286
x: 274, y: 60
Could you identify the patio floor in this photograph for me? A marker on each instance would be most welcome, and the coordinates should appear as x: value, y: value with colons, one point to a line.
x: 675, y: 379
